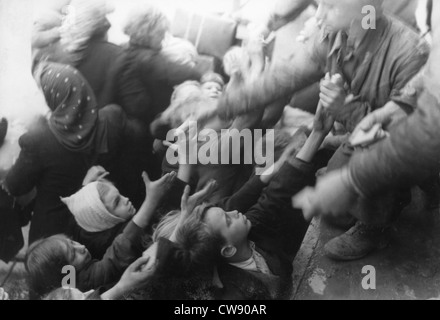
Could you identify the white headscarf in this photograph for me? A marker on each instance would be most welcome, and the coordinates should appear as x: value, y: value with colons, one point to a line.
x: 89, y: 211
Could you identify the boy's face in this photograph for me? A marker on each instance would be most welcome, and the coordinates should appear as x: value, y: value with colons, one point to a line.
x: 338, y: 15
x: 233, y: 226
x: 118, y: 205
x: 212, y: 89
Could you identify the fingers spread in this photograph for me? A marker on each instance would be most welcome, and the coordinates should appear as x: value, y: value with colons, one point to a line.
x: 166, y: 178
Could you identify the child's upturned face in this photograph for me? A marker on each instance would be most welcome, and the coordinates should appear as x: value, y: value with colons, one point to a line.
x: 118, y: 205
x: 233, y: 226
x: 212, y: 89
x: 80, y: 257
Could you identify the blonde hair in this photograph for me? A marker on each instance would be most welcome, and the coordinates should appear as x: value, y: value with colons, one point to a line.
x: 84, y: 20
x: 166, y: 226
x: 189, y: 102
x: 144, y: 22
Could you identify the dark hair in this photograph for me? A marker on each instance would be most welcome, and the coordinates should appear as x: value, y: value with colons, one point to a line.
x: 200, y: 247
x: 174, y: 279
x: 44, y: 262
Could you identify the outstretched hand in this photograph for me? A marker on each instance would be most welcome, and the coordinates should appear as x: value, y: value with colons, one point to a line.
x: 156, y: 190
x: 138, y: 274
x: 189, y: 203
x: 333, y: 195
x: 235, y: 100
x: 96, y: 173
x: 134, y: 278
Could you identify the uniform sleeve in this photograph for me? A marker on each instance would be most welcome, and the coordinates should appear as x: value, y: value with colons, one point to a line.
x: 404, y: 92
x: 410, y: 156
x: 280, y: 81
x: 286, y: 11
x: 412, y: 153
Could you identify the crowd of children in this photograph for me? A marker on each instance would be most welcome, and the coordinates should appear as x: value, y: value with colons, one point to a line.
x: 133, y: 225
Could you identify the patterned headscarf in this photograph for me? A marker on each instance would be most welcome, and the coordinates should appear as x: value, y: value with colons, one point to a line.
x: 74, y: 108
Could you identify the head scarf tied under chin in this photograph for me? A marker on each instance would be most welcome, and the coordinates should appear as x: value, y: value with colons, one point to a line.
x: 89, y: 211
x: 74, y: 116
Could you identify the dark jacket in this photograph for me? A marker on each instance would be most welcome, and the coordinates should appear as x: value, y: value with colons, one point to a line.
x: 54, y: 171
x: 102, y: 66
x: 159, y: 75
x: 101, y: 63
x: 132, y: 92
x: 97, y: 242
x: 11, y: 236
x: 277, y: 230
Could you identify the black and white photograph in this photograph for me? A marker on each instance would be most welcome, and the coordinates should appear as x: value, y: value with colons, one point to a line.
x: 196, y: 151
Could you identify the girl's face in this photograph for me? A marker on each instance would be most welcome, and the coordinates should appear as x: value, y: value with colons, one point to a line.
x: 118, y: 205
x: 212, y: 89
x: 79, y: 255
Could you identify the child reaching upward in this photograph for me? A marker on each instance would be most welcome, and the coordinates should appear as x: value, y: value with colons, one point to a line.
x: 251, y: 253
x: 46, y: 258
x: 100, y: 211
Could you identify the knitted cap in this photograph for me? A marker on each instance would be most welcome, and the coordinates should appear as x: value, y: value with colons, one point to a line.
x: 89, y: 211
